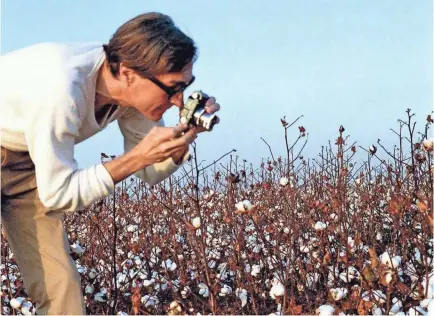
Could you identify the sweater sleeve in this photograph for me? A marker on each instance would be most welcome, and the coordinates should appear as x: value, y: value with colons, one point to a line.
x: 53, y: 123
x: 134, y: 128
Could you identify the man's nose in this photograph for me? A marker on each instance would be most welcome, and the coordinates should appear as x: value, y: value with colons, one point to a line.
x: 178, y: 99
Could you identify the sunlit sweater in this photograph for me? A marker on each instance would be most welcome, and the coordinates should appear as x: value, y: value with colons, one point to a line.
x: 47, y: 95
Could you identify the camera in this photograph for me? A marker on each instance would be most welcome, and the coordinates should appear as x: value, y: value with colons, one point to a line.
x: 193, y: 113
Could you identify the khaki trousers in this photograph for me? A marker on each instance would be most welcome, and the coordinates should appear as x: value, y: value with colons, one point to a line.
x: 38, y: 240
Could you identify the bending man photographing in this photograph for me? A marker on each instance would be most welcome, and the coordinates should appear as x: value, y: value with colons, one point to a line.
x: 53, y: 96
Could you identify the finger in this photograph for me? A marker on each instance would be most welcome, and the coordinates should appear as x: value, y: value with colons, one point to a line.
x: 178, y: 130
x: 212, y: 108
x: 181, y: 141
x: 210, y: 101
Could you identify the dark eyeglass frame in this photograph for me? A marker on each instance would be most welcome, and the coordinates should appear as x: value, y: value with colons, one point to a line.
x: 171, y: 91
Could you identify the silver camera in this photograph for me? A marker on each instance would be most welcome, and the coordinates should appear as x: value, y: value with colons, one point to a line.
x: 193, y: 113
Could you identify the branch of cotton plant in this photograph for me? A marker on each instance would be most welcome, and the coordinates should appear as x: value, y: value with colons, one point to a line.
x: 215, y: 161
x: 115, y: 235
x: 295, y: 121
x: 298, y: 155
x: 269, y: 147
x: 387, y: 152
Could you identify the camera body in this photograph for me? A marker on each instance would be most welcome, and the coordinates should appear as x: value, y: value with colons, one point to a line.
x: 193, y: 113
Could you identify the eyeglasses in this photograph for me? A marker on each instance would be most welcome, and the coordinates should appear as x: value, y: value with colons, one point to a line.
x: 171, y: 91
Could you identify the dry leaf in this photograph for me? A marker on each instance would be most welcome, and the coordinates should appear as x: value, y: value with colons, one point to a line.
x: 364, y: 307
x: 402, y: 288
x: 294, y: 309
x: 422, y: 206
x: 369, y: 274
x: 135, y: 300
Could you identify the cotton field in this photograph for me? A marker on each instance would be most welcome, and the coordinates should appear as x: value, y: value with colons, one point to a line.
x: 331, y: 235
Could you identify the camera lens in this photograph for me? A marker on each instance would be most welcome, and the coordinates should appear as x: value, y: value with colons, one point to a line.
x: 204, y: 119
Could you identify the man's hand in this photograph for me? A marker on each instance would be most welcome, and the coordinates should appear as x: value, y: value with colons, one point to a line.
x: 157, y: 146
x: 210, y: 107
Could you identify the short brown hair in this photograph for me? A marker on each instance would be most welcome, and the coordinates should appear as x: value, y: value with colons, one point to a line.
x: 150, y: 44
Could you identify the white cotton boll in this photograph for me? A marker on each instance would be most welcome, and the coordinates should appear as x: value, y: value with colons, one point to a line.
x: 277, y: 289
x: 428, y: 144
x: 377, y: 311
x: 286, y: 230
x: 430, y: 285
x: 417, y: 310
x: 350, y: 275
x: 174, y: 305
x: 6, y: 310
x: 137, y: 261
x: 76, y: 248
x: 424, y: 303
x: 225, y: 290
x: 247, y: 268
x: 122, y: 314
x: 388, y: 277
x: 325, y: 310
x: 242, y: 295
x: 100, y: 297
x: 196, y: 222
x: 357, y: 181
x: 89, y: 289
x: 149, y: 300
x: 212, y: 264
x: 397, y: 305
x: 430, y: 307
x: 385, y: 259
x: 247, y: 205
x: 256, y: 269
x: 16, y: 302
x: 338, y: 293
x: 92, y: 273
x: 203, y: 290
x: 132, y: 228
x: 320, y: 226
x: 185, y: 291
x: 81, y: 269
x: 240, y: 206
x: 283, y: 181
x: 148, y: 282
x: 333, y: 217
x: 26, y: 308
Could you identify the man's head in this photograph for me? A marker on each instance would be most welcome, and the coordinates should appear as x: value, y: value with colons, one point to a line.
x: 152, y: 61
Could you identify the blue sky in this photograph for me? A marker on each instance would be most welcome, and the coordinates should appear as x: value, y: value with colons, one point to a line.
x: 356, y: 63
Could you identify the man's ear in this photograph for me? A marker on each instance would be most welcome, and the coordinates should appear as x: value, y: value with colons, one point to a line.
x: 126, y: 74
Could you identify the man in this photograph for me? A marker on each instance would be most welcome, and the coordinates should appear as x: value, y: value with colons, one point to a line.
x: 53, y: 96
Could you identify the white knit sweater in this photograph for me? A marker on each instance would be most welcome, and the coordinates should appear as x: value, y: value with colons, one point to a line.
x: 47, y: 96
